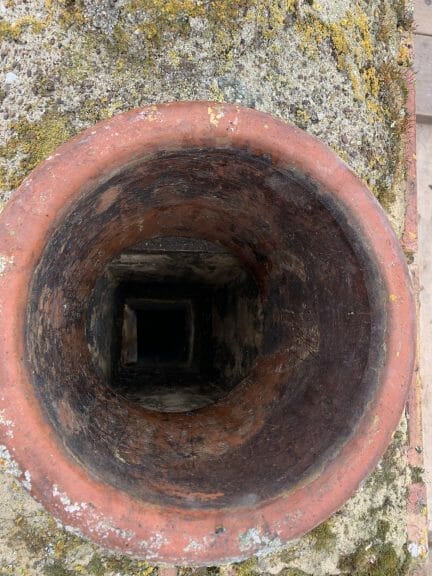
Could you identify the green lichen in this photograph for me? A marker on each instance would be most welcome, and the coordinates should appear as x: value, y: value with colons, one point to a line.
x: 203, y: 571
x: 383, y: 528
x: 34, y: 141
x: 13, y: 30
x: 352, y: 44
x: 158, y: 21
x: 93, y: 111
x: 375, y: 560
x: 129, y: 567
x: 246, y: 568
x: 386, y: 473
x: 34, y: 540
x: 323, y: 537
x: 67, y: 12
x: 79, y: 67
x: 96, y: 567
x: 417, y: 474
x: 57, y: 569
x: 40, y: 532
x: 294, y: 572
x: 381, y: 86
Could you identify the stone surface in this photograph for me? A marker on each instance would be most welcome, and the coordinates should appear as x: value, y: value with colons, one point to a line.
x: 423, y: 17
x: 423, y: 57
x: 335, y: 69
x: 424, y: 166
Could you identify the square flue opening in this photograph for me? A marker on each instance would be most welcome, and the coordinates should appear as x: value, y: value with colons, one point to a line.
x: 176, y: 323
x: 157, y: 333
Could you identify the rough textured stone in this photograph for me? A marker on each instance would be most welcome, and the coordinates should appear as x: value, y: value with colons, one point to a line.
x: 334, y: 68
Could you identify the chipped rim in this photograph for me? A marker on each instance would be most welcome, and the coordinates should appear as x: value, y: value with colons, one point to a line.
x: 101, y: 512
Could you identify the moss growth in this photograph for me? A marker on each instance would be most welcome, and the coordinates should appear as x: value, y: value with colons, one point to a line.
x: 376, y: 557
x: 404, y: 14
x: 24, y: 531
x: 417, y: 474
x: 68, y: 12
x: 37, y: 538
x: 247, y: 568
x: 96, y: 566
x: 130, y: 567
x: 374, y: 560
x: 204, y: 571
x: 93, y: 111
x: 393, y: 93
x: 57, y: 569
x: 35, y: 142
x: 383, y: 528
x: 386, y: 472
x: 294, y: 572
x: 79, y: 67
x: 323, y: 537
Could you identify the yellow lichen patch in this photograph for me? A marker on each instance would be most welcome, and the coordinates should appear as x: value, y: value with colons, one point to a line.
x: 302, y: 115
x: 67, y: 11
x: 312, y: 32
x: 34, y: 142
x: 159, y: 20
x: 340, y: 44
x: 15, y: 29
x: 341, y: 153
x: 174, y: 58
x: 216, y: 93
x: 352, y: 44
x: 163, y: 16
x: 404, y: 55
x: 359, y: 23
x: 215, y: 114
x: 246, y: 568
x: 371, y: 81
x: 151, y: 114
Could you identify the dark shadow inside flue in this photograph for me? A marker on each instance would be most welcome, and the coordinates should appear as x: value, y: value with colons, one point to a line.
x: 205, y: 329
x: 163, y: 332
x: 175, y: 323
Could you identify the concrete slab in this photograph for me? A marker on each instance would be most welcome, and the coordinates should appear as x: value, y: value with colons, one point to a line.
x: 423, y: 68
x: 423, y: 16
x: 424, y: 179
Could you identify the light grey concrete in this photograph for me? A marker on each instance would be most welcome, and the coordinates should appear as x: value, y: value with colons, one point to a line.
x: 423, y: 68
x: 423, y: 16
x: 424, y: 175
x: 424, y: 179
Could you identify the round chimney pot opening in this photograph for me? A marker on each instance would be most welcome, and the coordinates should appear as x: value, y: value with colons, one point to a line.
x: 208, y: 332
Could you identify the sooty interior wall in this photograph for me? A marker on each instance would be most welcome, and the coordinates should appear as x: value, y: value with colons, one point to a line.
x: 300, y: 390
x: 175, y: 323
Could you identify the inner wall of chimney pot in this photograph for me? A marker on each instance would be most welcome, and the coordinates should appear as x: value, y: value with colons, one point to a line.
x: 204, y: 328
x: 175, y: 323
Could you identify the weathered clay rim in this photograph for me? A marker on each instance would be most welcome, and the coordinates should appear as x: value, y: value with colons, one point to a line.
x: 99, y: 511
